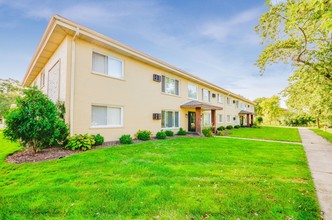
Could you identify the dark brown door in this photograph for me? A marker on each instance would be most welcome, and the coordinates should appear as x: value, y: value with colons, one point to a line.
x: 192, y: 121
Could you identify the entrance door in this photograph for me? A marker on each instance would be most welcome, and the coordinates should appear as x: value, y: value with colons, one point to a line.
x: 192, y: 121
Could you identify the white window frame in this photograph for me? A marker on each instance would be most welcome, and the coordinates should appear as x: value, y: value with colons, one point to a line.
x: 108, y: 126
x: 196, y: 91
x: 162, y: 118
x: 229, y: 119
x: 228, y: 100
x: 108, y: 57
x: 220, y: 117
x: 220, y: 98
x: 164, y: 82
x: 209, y: 94
x: 210, y: 119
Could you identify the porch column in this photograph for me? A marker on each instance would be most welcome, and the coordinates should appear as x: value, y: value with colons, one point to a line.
x: 198, y: 120
x: 213, y: 120
x: 248, y: 123
x: 252, y: 120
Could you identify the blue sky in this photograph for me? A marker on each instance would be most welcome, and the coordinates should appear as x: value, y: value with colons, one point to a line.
x: 213, y: 39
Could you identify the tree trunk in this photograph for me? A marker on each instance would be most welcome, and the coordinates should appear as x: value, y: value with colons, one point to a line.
x: 317, y: 121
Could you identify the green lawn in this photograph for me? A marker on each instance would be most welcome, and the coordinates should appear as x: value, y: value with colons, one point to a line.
x: 181, y: 178
x: 324, y: 134
x: 268, y: 133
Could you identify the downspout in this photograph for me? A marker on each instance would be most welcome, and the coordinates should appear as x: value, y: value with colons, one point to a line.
x: 72, y: 82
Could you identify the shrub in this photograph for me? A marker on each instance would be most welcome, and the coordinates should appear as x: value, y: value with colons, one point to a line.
x: 169, y: 133
x: 259, y: 120
x: 99, y: 140
x: 229, y: 127
x: 220, y: 128
x: 143, y: 135
x: 80, y: 142
x: 181, y: 132
x: 207, y: 132
x: 126, y: 139
x: 237, y: 126
x: 161, y: 135
x: 222, y: 133
x: 36, y: 122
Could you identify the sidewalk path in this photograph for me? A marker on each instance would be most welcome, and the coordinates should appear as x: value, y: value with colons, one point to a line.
x: 319, y: 154
x: 256, y: 139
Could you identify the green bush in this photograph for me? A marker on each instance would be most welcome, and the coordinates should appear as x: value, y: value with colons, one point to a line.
x: 181, y: 132
x: 80, y: 142
x: 161, y: 135
x: 169, y: 133
x: 222, y: 133
x: 220, y: 128
x: 229, y: 127
x: 99, y: 140
x: 237, y: 126
x: 207, y: 132
x: 36, y: 122
x: 126, y: 139
x: 259, y: 120
x: 143, y: 135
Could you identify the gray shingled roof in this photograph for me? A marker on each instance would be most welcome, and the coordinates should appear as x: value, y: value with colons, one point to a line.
x: 246, y: 112
x: 196, y: 104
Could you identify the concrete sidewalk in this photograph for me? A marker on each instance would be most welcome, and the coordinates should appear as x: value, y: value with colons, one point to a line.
x: 319, y: 154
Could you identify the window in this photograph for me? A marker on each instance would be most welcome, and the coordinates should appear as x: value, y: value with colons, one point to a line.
x: 241, y: 105
x: 170, y: 85
x: 42, y: 79
x: 169, y: 119
x: 220, y: 98
x: 228, y: 119
x: 102, y: 116
x: 107, y: 65
x: 220, y: 118
x: 228, y: 101
x: 192, y: 91
x: 237, y: 104
x: 205, y: 95
x: 207, y: 118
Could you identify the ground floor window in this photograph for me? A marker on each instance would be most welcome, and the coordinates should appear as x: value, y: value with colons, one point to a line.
x: 106, y: 116
x: 220, y: 118
x: 228, y: 119
x: 207, y: 118
x: 170, y: 119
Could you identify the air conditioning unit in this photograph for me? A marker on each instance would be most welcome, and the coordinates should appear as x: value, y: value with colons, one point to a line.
x: 156, y: 116
x: 233, y: 101
x: 156, y: 78
x: 213, y: 95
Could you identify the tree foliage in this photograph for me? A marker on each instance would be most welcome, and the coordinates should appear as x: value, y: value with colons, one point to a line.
x: 10, y: 89
x: 299, y: 32
x: 36, y: 121
x: 269, y: 108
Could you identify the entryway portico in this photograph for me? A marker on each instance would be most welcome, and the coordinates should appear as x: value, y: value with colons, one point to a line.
x: 195, y: 117
x: 249, y: 118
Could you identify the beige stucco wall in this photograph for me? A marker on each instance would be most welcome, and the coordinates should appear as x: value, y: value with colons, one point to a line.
x: 137, y: 93
x: 61, y: 56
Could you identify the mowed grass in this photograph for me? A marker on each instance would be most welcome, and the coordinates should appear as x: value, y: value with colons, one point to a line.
x: 324, y: 134
x: 182, y: 178
x: 268, y: 133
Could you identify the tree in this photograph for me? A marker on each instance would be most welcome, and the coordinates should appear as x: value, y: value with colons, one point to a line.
x: 258, y: 107
x: 36, y: 121
x: 269, y: 108
x: 10, y: 89
x: 310, y: 95
x: 298, y: 32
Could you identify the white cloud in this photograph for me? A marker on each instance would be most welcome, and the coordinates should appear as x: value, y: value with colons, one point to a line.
x: 226, y: 29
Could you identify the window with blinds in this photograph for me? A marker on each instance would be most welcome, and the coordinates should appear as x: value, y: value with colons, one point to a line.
x: 102, y: 116
x: 170, y: 85
x: 107, y: 65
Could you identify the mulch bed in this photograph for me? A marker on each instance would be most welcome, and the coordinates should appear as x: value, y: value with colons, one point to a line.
x: 27, y: 155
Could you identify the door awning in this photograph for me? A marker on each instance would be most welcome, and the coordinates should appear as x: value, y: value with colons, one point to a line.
x: 244, y: 112
x: 202, y: 105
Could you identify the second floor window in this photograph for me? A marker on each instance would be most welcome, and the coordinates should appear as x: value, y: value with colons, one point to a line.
x: 192, y: 91
x: 170, y: 85
x: 107, y: 65
x: 205, y: 95
x: 220, y: 98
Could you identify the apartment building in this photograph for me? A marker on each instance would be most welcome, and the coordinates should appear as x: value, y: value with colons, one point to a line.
x: 112, y: 89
